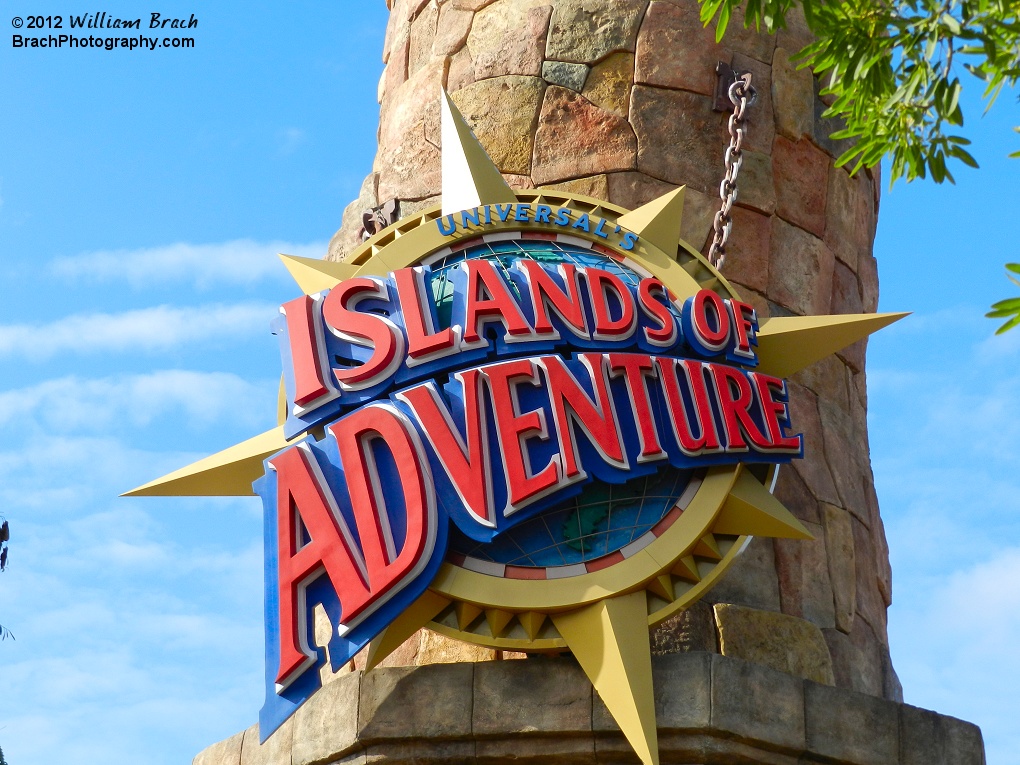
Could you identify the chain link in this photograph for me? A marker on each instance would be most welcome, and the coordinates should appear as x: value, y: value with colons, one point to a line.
x: 741, y: 95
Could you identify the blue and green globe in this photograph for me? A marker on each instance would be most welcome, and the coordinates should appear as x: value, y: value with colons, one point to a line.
x: 604, y: 517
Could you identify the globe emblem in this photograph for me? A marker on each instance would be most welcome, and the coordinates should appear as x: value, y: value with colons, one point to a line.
x: 603, y: 518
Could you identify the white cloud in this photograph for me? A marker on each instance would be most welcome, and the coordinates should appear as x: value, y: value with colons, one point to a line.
x: 242, y: 261
x: 957, y: 643
x: 72, y: 404
x: 146, y: 329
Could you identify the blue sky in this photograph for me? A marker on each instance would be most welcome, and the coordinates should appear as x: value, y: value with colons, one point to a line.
x: 143, y: 196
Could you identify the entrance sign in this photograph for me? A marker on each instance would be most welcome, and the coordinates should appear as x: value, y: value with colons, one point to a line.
x: 528, y: 420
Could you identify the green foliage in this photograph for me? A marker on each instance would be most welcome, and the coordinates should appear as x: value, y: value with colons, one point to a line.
x: 891, y: 70
x: 2, y: 760
x: 1008, y: 309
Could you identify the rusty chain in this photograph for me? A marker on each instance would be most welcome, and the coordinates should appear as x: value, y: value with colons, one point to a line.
x: 741, y: 95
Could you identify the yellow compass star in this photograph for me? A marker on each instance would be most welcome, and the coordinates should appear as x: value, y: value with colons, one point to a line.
x: 602, y: 616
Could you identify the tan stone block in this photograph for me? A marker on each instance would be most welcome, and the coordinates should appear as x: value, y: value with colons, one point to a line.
x: 849, y: 216
x: 795, y: 35
x: 680, y: 139
x: 756, y: 300
x: 751, y: 580
x: 761, y: 128
x: 520, y: 750
x: 226, y: 752
x: 565, y: 74
x: 839, y: 543
x: 395, y: 73
x: 412, y: 702
x: 755, y: 186
x: 675, y: 50
x: 598, y: 141
x: 693, y: 629
x: 586, y: 31
x: 326, y: 726
x: 631, y: 190
x: 860, y: 660
x: 609, y: 83
x: 452, y: 30
x: 505, y: 694
x: 348, y: 237
x: 462, y: 71
x: 593, y: 186
x: 793, y: 97
x: 423, y: 35
x: 826, y: 126
x: 471, y: 5
x: 276, y: 750
x: 927, y: 738
x: 746, y: 40
x: 756, y: 703
x: 795, y: 495
x: 699, y: 214
x: 851, y: 727
x: 409, y: 166
x: 827, y: 380
x: 814, y: 468
x: 518, y: 182
x: 801, y: 174
x: 683, y: 694
x: 870, y: 605
x: 747, y: 251
x: 439, y: 649
x: 782, y: 642
x: 415, y: 752
x: 508, y: 37
x: 804, y: 585
x: 867, y: 270
x: 503, y: 113
x: 848, y: 457
x: 800, y: 275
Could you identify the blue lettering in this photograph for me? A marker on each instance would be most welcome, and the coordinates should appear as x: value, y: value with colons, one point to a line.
x: 542, y: 213
x: 442, y: 229
x: 468, y: 215
x: 488, y: 215
x: 522, y: 213
x: 599, y: 231
x: 628, y: 241
x: 503, y: 214
x: 582, y: 223
x: 562, y: 217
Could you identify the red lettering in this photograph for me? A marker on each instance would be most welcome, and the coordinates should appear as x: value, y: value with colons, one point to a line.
x: 744, y: 321
x: 465, y: 458
x: 364, y: 329
x: 711, y: 321
x: 304, y: 501
x: 488, y: 299
x: 514, y: 428
x: 422, y: 339
x: 636, y: 369
x: 306, y: 361
x: 707, y: 440
x: 546, y: 294
x: 735, y: 400
x: 604, y: 287
x: 664, y: 336
x: 771, y: 394
x: 572, y: 407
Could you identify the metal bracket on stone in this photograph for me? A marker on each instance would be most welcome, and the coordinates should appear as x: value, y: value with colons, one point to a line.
x: 375, y: 219
x: 725, y: 77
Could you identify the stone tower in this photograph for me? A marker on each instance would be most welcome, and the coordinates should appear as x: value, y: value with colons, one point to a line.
x: 614, y: 99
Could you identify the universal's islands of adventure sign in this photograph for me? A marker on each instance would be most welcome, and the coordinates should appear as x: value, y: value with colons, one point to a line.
x: 528, y: 420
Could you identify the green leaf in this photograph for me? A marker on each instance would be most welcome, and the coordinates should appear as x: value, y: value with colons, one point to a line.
x: 1009, y: 304
x: 1015, y: 321
x: 1014, y: 267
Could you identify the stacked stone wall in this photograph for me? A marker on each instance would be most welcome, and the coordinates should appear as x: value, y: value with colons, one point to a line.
x: 613, y: 98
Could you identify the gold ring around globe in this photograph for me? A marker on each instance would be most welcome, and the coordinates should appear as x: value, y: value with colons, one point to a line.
x: 417, y: 237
